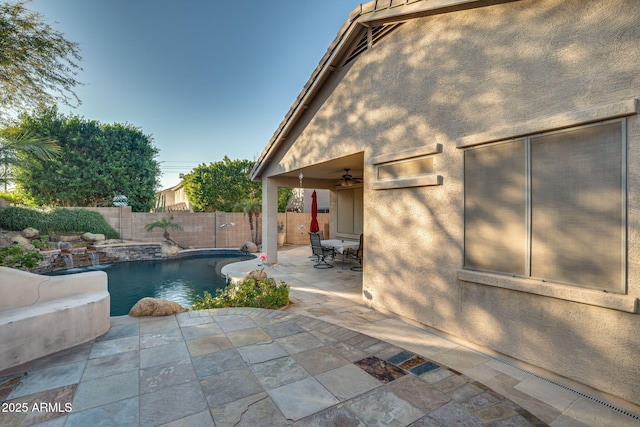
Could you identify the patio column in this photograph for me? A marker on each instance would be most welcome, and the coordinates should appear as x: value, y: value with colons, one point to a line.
x: 270, y: 219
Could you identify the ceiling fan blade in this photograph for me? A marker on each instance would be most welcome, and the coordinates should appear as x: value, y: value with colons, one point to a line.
x: 347, y: 180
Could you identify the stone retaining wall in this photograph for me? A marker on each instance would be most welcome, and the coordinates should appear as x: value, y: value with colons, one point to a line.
x: 129, y: 252
x: 107, y: 254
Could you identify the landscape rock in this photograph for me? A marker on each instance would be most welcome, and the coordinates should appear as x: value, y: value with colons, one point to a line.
x: 30, y: 233
x: 155, y: 307
x: 90, y: 237
x: 169, y: 250
x: 23, y: 242
x: 254, y: 274
x: 249, y: 247
x: 5, y: 238
x: 112, y: 242
x: 64, y: 245
x: 70, y: 238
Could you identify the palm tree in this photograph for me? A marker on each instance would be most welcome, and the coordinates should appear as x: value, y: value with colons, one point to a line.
x: 251, y: 207
x: 165, y: 224
x: 16, y: 145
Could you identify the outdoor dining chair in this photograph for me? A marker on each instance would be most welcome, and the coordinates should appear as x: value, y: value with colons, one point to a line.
x: 320, y: 252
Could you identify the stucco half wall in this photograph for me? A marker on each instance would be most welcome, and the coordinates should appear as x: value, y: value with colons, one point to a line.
x: 41, y: 315
x: 441, y: 82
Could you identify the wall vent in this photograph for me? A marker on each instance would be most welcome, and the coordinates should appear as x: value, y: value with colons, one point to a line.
x: 369, y: 38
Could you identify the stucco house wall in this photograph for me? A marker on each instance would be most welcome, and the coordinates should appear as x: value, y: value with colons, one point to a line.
x: 174, y: 199
x: 480, y: 73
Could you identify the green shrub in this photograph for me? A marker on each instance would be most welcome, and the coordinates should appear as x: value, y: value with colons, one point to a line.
x: 43, y: 243
x: 16, y: 257
x: 10, y: 197
x: 56, y: 220
x: 265, y: 293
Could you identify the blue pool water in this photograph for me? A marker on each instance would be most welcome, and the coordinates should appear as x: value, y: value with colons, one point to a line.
x: 178, y: 279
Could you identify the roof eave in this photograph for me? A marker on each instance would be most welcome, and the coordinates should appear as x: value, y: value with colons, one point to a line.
x: 318, y: 77
x: 374, y: 12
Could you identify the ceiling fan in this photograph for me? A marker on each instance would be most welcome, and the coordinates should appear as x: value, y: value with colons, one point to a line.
x: 348, y: 180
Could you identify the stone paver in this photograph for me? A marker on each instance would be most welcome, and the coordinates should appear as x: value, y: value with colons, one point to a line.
x: 215, y: 380
x: 326, y: 360
x: 47, y: 379
x: 302, y: 398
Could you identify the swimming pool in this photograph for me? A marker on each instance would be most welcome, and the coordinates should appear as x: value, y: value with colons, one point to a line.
x: 176, y: 279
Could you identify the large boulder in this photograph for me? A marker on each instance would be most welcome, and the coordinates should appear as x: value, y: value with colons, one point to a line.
x: 169, y: 250
x: 91, y: 237
x: 64, y: 245
x: 30, y: 233
x: 23, y: 242
x: 249, y: 247
x: 155, y: 307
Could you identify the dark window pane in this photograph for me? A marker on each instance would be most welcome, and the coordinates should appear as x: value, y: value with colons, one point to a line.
x: 495, y: 208
x: 577, y: 207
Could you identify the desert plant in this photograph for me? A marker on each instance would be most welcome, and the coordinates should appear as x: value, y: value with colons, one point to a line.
x: 264, y: 293
x: 252, y: 207
x: 16, y: 257
x: 165, y: 224
x: 17, y: 146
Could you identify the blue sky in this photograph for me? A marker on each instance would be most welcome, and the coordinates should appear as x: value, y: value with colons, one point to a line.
x: 204, y: 78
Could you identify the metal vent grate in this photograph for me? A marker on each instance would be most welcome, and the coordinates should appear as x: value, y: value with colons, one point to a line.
x: 586, y: 396
x: 377, y: 34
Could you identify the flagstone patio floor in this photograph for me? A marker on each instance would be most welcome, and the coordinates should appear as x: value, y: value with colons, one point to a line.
x: 326, y: 360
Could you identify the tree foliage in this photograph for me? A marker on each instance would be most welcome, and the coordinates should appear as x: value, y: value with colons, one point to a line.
x: 16, y: 146
x: 284, y: 195
x: 38, y: 65
x: 96, y: 162
x: 220, y: 186
x: 252, y: 208
x: 226, y: 186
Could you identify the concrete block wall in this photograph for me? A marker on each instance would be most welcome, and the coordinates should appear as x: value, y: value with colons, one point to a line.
x: 297, y: 226
x: 207, y: 229
x: 118, y: 218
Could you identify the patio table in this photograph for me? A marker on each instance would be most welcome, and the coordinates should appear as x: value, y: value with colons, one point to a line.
x: 339, y: 246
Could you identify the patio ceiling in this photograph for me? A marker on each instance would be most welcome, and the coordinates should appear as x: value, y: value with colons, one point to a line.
x: 367, y: 15
x: 330, y: 171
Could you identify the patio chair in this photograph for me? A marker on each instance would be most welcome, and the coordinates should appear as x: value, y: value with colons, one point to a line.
x: 356, y: 254
x: 320, y: 252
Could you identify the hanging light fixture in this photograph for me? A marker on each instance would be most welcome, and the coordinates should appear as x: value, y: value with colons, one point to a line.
x: 300, y: 197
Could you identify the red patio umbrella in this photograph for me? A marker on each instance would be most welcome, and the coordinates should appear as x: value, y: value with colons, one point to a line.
x: 314, y: 227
